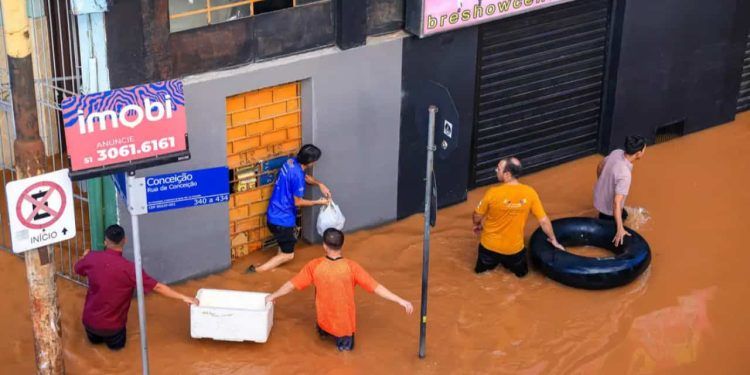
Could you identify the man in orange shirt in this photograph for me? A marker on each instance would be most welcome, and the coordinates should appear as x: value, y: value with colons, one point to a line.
x: 501, y: 218
x: 335, y: 278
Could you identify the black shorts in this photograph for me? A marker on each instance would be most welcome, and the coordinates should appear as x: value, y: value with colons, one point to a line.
x: 115, y: 340
x: 487, y: 260
x: 343, y: 344
x: 612, y: 218
x: 284, y: 236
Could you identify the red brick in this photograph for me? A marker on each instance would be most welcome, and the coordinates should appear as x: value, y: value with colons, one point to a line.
x: 266, y: 192
x: 284, y: 92
x: 292, y: 105
x: 235, y: 133
x: 259, y: 127
x: 265, y: 233
x: 240, y: 251
x: 259, y: 154
x: 272, y: 110
x: 287, y: 147
x: 254, y: 246
x: 248, y: 197
x: 235, y: 103
x: 246, y: 144
x: 238, y: 213
x: 258, y: 208
x: 239, y: 239
x: 234, y: 161
x: 245, y: 117
x: 248, y: 224
x: 258, y: 98
x: 273, y: 138
x: 294, y: 133
x: 286, y: 121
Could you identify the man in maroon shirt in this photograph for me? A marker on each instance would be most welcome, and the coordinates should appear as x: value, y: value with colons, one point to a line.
x: 111, y: 285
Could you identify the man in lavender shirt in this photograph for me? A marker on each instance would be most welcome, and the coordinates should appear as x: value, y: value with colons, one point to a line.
x: 613, y: 184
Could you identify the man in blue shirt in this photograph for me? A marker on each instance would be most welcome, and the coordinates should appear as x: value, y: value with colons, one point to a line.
x: 287, y: 195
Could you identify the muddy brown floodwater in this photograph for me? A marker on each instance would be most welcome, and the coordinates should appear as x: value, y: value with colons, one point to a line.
x: 687, y: 315
x: 589, y: 251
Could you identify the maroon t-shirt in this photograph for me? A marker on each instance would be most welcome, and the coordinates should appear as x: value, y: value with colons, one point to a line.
x: 111, y: 285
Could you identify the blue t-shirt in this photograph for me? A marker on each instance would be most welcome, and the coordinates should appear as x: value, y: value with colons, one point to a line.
x: 289, y: 184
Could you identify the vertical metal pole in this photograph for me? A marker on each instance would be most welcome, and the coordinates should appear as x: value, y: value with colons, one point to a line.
x: 109, y: 201
x: 91, y: 34
x: 30, y: 160
x: 426, y: 242
x: 139, y: 284
x: 96, y: 212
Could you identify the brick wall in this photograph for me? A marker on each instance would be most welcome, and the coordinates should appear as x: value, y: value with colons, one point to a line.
x: 261, y: 125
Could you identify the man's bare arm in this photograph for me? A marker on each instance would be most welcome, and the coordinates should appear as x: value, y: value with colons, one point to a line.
x: 171, y: 293
x: 323, y: 188
x: 546, y: 225
x: 387, y: 294
x: 302, y: 202
x: 618, y: 206
x: 477, y: 220
x: 285, y: 289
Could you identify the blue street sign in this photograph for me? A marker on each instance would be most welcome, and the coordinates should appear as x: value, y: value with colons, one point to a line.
x: 187, y: 189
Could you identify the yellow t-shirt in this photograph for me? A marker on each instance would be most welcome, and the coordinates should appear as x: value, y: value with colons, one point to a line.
x: 505, y: 209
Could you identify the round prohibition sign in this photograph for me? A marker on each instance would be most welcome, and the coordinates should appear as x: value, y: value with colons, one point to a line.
x: 40, y: 204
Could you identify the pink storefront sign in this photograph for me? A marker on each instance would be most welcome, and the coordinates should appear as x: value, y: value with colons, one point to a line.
x: 125, y: 129
x: 428, y: 17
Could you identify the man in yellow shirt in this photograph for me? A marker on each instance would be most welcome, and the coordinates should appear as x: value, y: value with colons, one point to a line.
x: 501, y: 217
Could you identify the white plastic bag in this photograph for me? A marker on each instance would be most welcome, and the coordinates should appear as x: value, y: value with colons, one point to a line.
x: 330, y: 217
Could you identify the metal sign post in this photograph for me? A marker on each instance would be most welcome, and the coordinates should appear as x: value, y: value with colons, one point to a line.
x: 426, y: 243
x: 132, y: 183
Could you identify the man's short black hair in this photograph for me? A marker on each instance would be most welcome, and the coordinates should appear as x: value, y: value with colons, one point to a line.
x: 333, y: 238
x: 115, y: 234
x: 634, y: 144
x: 513, y: 166
x: 308, y: 154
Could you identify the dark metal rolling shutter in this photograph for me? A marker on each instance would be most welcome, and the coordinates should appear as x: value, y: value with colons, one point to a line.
x: 540, y: 87
x: 743, y: 101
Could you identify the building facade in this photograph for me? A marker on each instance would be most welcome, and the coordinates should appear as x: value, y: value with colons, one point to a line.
x: 549, y: 85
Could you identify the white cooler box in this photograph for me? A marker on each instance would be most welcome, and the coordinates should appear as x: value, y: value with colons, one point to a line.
x: 231, y: 316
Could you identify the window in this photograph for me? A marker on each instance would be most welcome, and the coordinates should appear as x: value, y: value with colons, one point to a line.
x: 191, y: 14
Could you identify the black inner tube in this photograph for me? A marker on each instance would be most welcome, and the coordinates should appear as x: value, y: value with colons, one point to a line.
x: 627, y: 263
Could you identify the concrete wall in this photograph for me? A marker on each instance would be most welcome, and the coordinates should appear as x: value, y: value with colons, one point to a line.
x: 351, y: 110
x: 679, y: 60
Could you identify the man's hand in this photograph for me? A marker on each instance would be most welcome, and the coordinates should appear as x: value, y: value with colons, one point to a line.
x: 324, y: 190
x: 478, y: 229
x: 620, y: 236
x: 323, y: 202
x: 269, y: 298
x: 407, y: 306
x: 556, y: 244
x: 191, y: 300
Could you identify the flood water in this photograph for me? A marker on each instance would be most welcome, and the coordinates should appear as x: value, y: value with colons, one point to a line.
x: 590, y: 251
x: 688, y: 314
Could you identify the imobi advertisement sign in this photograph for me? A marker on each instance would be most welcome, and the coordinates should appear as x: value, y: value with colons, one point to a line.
x: 126, y: 128
x: 428, y: 17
